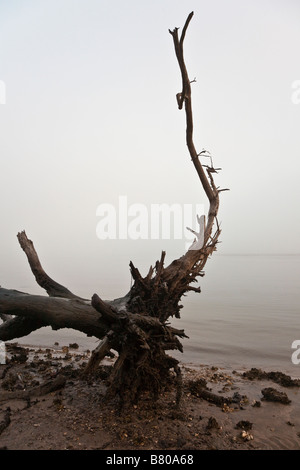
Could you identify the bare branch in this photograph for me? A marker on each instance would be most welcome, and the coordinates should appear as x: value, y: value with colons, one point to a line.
x: 185, y: 97
x: 52, y: 288
x: 107, y: 312
x: 98, y: 354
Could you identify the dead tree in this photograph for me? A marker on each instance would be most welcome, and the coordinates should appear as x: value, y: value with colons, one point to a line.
x: 136, y: 326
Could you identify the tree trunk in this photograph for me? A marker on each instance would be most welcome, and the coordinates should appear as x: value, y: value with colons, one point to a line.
x: 137, y: 325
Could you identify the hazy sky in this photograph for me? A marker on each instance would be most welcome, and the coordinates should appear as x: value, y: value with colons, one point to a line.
x: 90, y: 115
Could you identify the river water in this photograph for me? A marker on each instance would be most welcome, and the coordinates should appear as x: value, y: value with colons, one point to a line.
x: 247, y: 315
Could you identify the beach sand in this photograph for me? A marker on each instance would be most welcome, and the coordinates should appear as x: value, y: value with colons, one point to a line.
x: 76, y: 416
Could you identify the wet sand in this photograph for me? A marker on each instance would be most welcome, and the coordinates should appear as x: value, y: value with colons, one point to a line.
x: 76, y: 416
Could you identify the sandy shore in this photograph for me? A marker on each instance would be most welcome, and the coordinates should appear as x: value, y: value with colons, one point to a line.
x: 220, y: 409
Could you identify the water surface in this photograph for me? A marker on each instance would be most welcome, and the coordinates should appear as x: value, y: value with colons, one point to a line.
x: 247, y: 314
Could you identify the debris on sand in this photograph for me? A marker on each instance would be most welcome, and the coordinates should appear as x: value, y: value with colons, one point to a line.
x: 246, y: 436
x: 45, y: 402
x: 277, y: 377
x: 18, y: 353
x: 271, y: 394
x: 212, y: 423
x: 246, y: 425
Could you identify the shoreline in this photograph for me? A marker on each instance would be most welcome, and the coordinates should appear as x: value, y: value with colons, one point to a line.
x: 75, y: 416
x: 189, y: 358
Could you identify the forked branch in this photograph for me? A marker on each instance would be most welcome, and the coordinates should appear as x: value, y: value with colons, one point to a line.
x: 185, y: 98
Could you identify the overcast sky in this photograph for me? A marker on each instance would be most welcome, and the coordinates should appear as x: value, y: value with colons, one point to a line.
x: 90, y: 115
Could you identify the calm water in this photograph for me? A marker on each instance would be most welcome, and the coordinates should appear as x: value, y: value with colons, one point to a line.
x: 247, y: 315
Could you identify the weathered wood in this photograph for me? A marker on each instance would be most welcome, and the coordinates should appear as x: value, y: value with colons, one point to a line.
x: 17, y: 327
x: 107, y: 312
x: 53, y: 288
x: 55, y: 312
x: 98, y: 354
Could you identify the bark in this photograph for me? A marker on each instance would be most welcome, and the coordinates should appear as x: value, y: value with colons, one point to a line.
x: 136, y: 325
x: 56, y: 312
x: 52, y: 287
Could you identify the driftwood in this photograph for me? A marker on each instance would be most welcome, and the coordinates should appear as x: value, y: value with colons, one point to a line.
x: 47, y: 387
x: 136, y: 326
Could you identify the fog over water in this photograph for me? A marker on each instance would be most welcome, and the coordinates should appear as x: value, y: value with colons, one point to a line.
x: 247, y: 315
